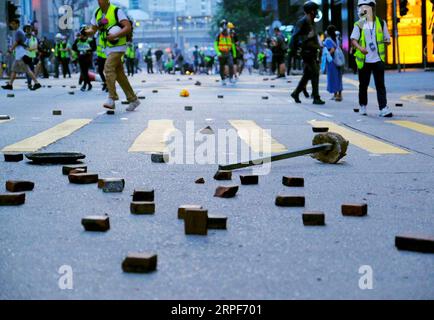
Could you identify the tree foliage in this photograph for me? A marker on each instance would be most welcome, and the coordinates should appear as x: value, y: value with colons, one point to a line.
x: 246, y: 15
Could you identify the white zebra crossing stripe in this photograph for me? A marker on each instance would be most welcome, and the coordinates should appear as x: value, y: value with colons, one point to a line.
x: 45, y: 138
x: 256, y: 138
x: 154, y: 138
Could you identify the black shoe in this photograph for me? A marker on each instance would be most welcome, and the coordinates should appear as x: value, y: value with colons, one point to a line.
x: 8, y: 87
x: 104, y: 87
x: 306, y: 94
x: 36, y: 86
x: 295, y: 97
x: 318, y: 101
x: 83, y: 88
x: 89, y: 87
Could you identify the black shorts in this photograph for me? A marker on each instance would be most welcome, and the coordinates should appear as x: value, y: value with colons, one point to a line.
x: 278, y: 59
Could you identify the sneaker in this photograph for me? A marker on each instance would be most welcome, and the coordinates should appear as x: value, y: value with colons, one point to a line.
x: 8, y: 87
x: 318, y: 101
x: 104, y: 87
x: 295, y: 97
x: 362, y: 111
x: 109, y: 104
x: 36, y: 86
x: 306, y: 94
x: 83, y: 88
x: 386, y: 112
x: 90, y: 87
x: 224, y: 82
x: 133, y: 105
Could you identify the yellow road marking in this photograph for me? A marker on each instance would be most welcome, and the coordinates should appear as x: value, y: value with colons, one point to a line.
x: 154, y: 138
x: 422, y: 128
x: 47, y: 137
x: 257, y: 138
x: 356, y: 84
x: 360, y: 140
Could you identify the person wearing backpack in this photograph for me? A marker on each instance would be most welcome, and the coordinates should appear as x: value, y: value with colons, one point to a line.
x: 115, y: 32
x: 334, y: 67
x: 370, y: 38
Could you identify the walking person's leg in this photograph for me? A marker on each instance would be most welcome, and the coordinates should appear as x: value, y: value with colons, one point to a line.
x: 364, y: 79
x: 302, y: 83
x: 378, y: 71
x: 222, y: 61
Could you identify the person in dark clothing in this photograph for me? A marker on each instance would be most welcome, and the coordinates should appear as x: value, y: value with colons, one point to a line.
x: 278, y: 47
x: 305, y: 38
x: 159, y: 61
x: 85, y: 47
x: 149, y: 62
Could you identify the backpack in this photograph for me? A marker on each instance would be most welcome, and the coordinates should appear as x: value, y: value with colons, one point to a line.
x: 130, y: 34
x: 339, y: 57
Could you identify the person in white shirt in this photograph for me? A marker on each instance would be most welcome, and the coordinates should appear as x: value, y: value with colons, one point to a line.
x: 370, y: 38
x: 114, y: 29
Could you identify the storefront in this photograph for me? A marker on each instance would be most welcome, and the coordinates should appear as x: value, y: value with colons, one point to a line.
x: 415, y: 31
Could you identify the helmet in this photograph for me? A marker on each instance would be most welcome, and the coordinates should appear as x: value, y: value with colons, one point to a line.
x: 59, y: 36
x: 231, y: 25
x: 366, y: 2
x: 310, y: 6
x: 223, y: 23
x: 27, y: 26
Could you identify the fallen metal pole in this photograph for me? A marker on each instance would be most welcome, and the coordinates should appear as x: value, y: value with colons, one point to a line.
x: 278, y: 157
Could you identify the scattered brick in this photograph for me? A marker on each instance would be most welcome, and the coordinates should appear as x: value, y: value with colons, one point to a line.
x: 141, y: 97
x: 355, y: 210
x: 111, y: 185
x: 57, y: 112
x: 19, y: 186
x: 49, y: 86
x: 264, y: 98
x: 142, y: 207
x: 10, y: 95
x: 314, y: 218
x: 207, y: 130
x: 183, y: 209
x: 198, y: 83
x: 66, y: 170
x: 320, y: 129
x: 13, y: 157
x: 110, y: 112
x: 160, y: 157
x: 125, y: 102
x: 226, y: 192
x: 293, y: 182
x: 272, y: 86
x: 250, y: 179
x: 217, y: 222
x: 77, y: 171
x: 223, y: 175
x: 83, y: 178
x: 4, y: 117
x: 96, y: 223
x: 220, y: 96
x: 399, y: 104
x: 154, y: 91
x: 140, y: 263
x: 144, y: 195
x: 418, y: 243
x: 12, y: 199
x: 71, y: 93
x: 188, y: 108
x: 290, y: 201
x: 200, y: 181
x: 196, y: 222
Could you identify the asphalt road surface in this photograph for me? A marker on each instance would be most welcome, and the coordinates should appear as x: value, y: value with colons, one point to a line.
x: 266, y: 252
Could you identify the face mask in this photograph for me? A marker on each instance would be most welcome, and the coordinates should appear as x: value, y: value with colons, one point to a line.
x: 366, y: 12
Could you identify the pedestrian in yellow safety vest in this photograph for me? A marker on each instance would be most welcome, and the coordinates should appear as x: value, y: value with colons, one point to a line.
x: 226, y: 52
x: 130, y: 56
x: 114, y: 29
x: 32, y: 50
x: 101, y: 59
x: 370, y: 38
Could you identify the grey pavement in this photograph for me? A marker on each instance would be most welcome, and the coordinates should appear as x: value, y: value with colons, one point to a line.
x: 266, y: 253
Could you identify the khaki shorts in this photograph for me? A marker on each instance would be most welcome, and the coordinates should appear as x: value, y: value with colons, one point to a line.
x: 20, y: 67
